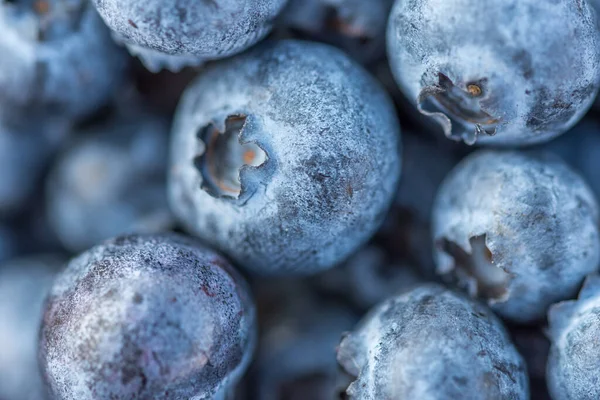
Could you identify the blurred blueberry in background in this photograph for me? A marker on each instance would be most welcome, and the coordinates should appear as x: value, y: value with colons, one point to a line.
x: 24, y: 283
x: 356, y: 26
x: 58, y: 59
x: 111, y: 180
x: 25, y: 151
x: 174, y: 34
x: 299, y: 334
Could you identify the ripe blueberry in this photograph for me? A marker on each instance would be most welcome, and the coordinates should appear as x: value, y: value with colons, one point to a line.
x: 146, y: 317
x: 285, y: 158
x: 505, y: 72
x: 517, y: 229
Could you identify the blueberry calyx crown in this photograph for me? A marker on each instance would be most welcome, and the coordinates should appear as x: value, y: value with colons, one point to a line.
x: 458, y: 110
x: 225, y: 155
x: 475, y: 268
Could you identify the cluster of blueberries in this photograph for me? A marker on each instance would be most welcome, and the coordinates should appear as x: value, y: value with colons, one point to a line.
x: 244, y: 222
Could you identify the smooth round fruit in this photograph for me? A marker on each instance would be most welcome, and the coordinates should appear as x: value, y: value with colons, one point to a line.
x: 146, y: 317
x: 111, y: 180
x: 573, y: 330
x: 57, y: 59
x: 517, y: 229
x: 286, y: 158
x: 24, y: 283
x: 432, y: 344
x: 499, y: 72
x: 178, y: 33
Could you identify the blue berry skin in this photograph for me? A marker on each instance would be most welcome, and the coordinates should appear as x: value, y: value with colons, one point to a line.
x: 432, y: 344
x: 306, y: 169
x: 572, y: 369
x: 178, y: 33
x: 501, y: 72
x: 23, y: 285
x: 25, y: 149
x: 111, y: 181
x: 356, y: 26
x: 57, y: 58
x: 146, y: 317
x: 517, y: 229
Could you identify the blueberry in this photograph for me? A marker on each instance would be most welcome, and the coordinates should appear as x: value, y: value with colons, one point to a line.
x: 572, y: 370
x: 23, y: 286
x: 430, y: 344
x: 110, y: 181
x: 356, y: 26
x: 174, y: 34
x: 517, y: 229
x: 296, y: 352
x: 506, y: 72
x: 285, y: 158
x: 57, y: 58
x: 146, y: 317
x: 25, y: 149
